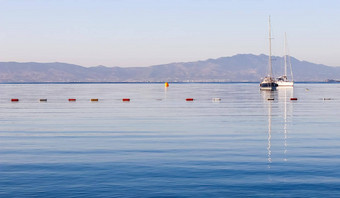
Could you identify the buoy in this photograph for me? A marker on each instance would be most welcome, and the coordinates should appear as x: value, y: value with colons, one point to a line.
x: 327, y: 98
x: 94, y: 100
x: 216, y: 99
x: 15, y: 100
x: 43, y: 100
x: 72, y: 99
x: 189, y: 99
x: 166, y: 84
x: 293, y: 98
x: 270, y: 99
x: 126, y: 99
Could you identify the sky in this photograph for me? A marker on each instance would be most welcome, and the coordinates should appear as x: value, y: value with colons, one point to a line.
x: 133, y: 33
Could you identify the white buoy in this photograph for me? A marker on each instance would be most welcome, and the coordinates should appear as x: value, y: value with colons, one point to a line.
x: 216, y: 99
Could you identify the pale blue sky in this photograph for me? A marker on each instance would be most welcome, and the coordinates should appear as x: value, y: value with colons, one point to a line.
x: 149, y: 32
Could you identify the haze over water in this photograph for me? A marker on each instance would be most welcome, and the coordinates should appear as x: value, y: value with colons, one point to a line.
x: 160, y: 145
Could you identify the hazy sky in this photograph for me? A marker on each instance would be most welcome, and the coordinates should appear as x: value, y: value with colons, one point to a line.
x: 149, y: 32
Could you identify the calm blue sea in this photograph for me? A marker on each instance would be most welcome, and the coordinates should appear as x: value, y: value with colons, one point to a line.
x: 160, y: 145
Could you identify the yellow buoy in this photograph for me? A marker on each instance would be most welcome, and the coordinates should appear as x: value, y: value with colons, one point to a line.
x: 166, y: 84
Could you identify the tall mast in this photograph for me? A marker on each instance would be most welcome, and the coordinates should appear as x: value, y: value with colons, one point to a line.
x: 270, y: 74
x: 286, y: 53
x: 287, y: 59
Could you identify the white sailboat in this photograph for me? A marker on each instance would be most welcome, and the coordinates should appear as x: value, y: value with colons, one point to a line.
x: 283, y: 80
x: 268, y: 82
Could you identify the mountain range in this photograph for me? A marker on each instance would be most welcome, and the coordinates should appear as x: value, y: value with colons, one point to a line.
x: 238, y: 68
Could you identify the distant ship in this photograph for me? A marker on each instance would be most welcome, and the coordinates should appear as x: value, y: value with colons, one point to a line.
x: 283, y: 80
x: 332, y: 81
x: 269, y: 82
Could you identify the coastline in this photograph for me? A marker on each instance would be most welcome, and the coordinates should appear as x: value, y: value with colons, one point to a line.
x: 298, y: 82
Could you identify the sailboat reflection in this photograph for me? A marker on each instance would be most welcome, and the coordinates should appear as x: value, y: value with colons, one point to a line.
x: 269, y: 132
x: 265, y: 96
x: 285, y: 120
x: 281, y: 96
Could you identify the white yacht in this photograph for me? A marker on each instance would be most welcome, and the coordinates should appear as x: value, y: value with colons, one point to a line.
x: 283, y: 80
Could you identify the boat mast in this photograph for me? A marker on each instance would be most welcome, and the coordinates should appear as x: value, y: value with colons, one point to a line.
x: 270, y: 74
x: 290, y: 67
x: 291, y: 70
x: 286, y: 54
x: 287, y: 59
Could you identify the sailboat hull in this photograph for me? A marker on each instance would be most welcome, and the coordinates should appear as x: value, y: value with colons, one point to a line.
x: 268, y: 86
x: 285, y: 84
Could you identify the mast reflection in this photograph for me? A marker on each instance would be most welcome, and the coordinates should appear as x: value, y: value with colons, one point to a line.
x: 278, y: 102
x: 285, y: 120
x: 269, y: 132
x: 268, y: 96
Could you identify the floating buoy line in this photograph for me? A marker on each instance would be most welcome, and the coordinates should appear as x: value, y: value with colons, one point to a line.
x: 158, y: 99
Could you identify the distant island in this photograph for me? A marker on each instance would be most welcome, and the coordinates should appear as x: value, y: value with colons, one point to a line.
x: 238, y: 68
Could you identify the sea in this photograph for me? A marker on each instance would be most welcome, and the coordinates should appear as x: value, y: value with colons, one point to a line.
x: 229, y: 141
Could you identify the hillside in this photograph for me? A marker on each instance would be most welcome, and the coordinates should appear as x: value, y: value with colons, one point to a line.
x: 238, y: 68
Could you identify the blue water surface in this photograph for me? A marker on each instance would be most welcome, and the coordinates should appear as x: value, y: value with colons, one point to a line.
x: 160, y: 145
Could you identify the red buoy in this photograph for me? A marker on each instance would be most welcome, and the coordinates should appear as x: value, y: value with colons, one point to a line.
x: 126, y: 99
x: 72, y: 99
x: 15, y: 100
x: 293, y: 98
x: 189, y: 99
